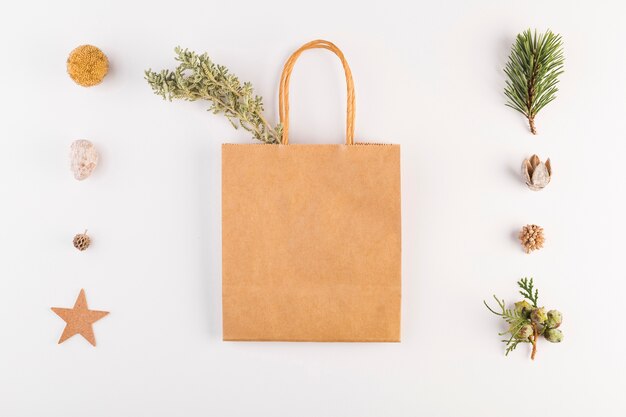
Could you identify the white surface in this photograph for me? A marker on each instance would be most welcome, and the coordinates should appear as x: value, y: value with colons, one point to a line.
x: 429, y: 78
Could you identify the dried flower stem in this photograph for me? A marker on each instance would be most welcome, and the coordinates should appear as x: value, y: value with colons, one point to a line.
x: 534, y: 341
x: 198, y: 78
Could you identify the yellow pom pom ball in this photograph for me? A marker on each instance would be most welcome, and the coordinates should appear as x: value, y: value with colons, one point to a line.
x: 87, y: 65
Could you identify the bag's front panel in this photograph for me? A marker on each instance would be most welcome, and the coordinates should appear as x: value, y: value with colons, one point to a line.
x: 311, y: 242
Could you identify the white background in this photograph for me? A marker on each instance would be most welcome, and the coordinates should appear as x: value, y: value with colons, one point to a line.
x: 428, y: 77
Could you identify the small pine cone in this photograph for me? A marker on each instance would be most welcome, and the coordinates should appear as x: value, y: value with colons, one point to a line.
x: 82, y: 241
x: 532, y: 237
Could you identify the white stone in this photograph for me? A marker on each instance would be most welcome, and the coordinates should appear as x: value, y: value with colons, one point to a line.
x: 84, y: 158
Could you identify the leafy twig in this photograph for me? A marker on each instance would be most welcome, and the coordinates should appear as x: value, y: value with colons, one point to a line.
x: 516, y: 321
x: 511, y: 344
x: 198, y: 78
x: 526, y: 320
x: 526, y: 291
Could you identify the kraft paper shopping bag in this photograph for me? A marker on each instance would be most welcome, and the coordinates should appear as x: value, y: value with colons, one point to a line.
x: 311, y: 235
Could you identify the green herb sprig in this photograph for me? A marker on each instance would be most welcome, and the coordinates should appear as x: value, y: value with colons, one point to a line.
x: 526, y: 320
x: 533, y: 70
x: 198, y: 78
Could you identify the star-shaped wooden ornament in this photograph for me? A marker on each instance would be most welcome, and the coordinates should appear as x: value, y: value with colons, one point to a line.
x: 79, y: 320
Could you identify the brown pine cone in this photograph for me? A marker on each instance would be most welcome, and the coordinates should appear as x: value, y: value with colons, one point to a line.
x: 82, y: 241
x: 532, y: 237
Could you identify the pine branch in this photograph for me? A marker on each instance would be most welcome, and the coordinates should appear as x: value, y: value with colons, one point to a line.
x: 198, y: 78
x: 535, y: 63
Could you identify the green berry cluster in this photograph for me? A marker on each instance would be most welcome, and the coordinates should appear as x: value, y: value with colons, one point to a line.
x: 527, y: 321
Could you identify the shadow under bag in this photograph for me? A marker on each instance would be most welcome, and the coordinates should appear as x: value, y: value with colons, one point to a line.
x: 311, y: 235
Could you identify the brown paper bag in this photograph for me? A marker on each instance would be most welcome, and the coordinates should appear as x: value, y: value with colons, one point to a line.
x: 311, y: 236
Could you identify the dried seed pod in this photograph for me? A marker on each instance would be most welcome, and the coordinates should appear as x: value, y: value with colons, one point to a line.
x: 87, y: 65
x: 84, y: 158
x: 532, y: 238
x: 82, y: 241
x: 536, y: 174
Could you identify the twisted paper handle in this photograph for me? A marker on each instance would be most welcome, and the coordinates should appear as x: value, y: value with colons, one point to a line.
x: 283, y: 92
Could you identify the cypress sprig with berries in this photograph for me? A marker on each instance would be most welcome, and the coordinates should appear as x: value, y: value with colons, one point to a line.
x: 527, y: 321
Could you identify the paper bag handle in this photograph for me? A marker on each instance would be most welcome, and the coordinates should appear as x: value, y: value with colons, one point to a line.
x: 283, y: 92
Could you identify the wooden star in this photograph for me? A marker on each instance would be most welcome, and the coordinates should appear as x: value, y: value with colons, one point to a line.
x: 79, y: 319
